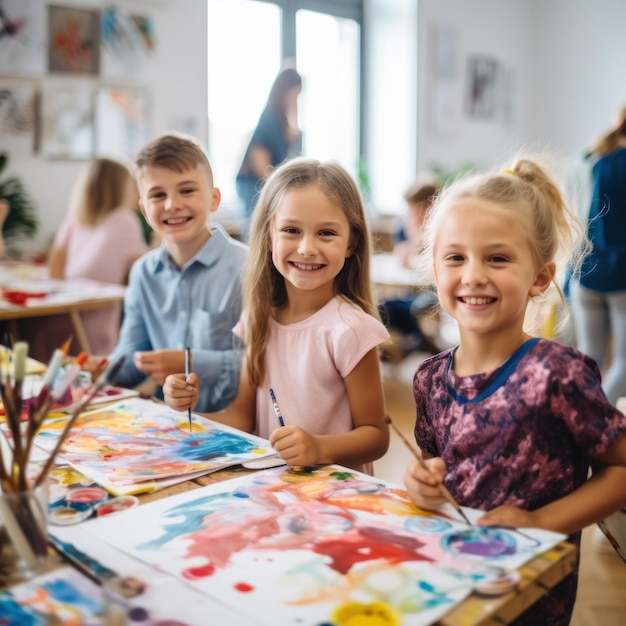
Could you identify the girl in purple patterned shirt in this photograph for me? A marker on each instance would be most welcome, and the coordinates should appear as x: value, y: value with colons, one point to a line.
x: 509, y: 422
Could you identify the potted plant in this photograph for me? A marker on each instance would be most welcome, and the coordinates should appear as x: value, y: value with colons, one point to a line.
x: 21, y: 220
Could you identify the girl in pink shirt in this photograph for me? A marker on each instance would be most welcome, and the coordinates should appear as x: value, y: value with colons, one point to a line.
x: 310, y: 324
x: 100, y: 240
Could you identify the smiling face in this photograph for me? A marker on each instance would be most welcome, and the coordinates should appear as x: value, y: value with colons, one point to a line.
x: 310, y: 241
x: 178, y: 206
x: 484, y: 268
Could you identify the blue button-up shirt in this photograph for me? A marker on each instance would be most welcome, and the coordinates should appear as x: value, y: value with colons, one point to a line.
x: 197, y: 306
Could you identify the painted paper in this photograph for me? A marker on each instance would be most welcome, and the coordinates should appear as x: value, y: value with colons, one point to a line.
x: 22, y: 34
x: 63, y: 597
x: 128, y: 43
x: 73, y: 40
x: 137, y: 441
x: 157, y: 599
x: 122, y: 120
x: 67, y: 123
x: 328, y: 546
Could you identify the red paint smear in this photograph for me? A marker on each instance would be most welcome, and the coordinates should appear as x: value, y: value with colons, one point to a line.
x: 369, y: 544
x: 194, y: 573
x: 244, y: 587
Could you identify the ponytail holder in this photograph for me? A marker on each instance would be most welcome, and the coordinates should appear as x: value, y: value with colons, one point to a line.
x: 509, y: 172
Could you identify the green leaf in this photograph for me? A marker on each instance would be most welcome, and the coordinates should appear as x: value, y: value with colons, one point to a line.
x: 22, y: 220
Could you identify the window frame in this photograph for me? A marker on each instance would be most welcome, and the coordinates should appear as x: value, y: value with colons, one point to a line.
x: 349, y: 9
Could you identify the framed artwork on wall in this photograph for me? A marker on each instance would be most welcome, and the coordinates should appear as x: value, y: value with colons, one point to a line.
x: 481, y: 92
x: 128, y: 43
x: 122, y: 120
x: 74, y: 40
x: 17, y: 117
x: 67, y: 123
x: 22, y: 47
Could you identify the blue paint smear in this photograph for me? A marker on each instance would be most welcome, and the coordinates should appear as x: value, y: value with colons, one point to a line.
x: 61, y: 591
x: 15, y: 615
x: 194, y: 514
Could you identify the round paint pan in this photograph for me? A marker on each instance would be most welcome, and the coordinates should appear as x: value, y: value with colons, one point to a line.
x: 114, y: 505
x: 498, y: 586
x: 89, y: 496
x: 67, y: 515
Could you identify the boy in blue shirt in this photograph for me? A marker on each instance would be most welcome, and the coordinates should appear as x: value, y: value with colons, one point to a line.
x: 188, y: 291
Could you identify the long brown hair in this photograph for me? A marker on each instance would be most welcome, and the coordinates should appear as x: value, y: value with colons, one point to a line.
x: 264, y: 286
x: 284, y: 82
x: 610, y: 141
x: 103, y: 187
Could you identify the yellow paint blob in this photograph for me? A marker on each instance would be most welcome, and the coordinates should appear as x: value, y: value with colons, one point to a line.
x: 373, y: 614
x: 196, y: 428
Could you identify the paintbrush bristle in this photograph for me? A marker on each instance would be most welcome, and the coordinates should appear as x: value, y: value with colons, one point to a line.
x: 65, y: 348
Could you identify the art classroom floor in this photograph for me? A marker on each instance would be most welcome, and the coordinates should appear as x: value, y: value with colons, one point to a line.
x: 601, y: 599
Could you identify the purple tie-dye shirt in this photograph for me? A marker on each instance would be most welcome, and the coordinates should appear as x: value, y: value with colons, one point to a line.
x: 523, y: 434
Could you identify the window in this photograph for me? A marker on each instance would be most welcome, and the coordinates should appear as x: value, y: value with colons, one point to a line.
x: 249, y: 41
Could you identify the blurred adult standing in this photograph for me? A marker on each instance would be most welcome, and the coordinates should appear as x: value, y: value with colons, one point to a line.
x: 598, y: 293
x: 275, y: 139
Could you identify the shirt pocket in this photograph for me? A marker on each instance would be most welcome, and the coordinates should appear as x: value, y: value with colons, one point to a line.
x: 212, y: 331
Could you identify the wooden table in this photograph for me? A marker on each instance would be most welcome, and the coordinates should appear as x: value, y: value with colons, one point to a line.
x: 64, y: 297
x: 388, y: 274
x: 537, y: 576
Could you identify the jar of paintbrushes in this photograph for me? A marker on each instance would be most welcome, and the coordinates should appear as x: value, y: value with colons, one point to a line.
x: 24, y: 496
x: 23, y: 507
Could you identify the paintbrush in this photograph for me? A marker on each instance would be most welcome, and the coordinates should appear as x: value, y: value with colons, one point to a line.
x: 127, y: 587
x: 109, y: 374
x: 442, y: 488
x: 279, y: 415
x: 65, y: 348
x: 187, y: 367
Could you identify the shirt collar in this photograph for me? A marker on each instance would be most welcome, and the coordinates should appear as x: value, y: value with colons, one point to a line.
x: 207, y: 255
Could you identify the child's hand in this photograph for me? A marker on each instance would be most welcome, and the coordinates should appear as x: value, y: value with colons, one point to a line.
x: 160, y: 363
x: 422, y: 486
x: 509, y: 516
x: 181, y: 394
x: 295, y: 446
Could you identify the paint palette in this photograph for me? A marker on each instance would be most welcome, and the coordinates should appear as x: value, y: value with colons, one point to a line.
x: 115, y: 505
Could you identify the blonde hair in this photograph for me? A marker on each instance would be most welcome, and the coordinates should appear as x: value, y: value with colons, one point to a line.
x: 174, y: 151
x: 610, y: 141
x: 555, y: 233
x: 264, y: 286
x: 103, y: 187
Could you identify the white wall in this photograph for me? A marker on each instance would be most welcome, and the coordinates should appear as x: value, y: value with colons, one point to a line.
x: 496, y: 29
x: 566, y: 57
x: 577, y: 57
x: 177, y: 80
